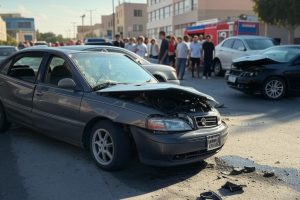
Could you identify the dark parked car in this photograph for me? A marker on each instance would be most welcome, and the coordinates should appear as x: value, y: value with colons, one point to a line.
x: 97, y: 41
x: 6, y: 51
x: 274, y: 73
x: 162, y: 73
x: 88, y: 99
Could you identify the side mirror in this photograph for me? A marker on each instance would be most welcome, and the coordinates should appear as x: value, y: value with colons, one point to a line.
x: 242, y: 49
x: 67, y: 83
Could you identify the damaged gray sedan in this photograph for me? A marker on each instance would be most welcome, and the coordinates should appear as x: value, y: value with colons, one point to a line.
x: 110, y: 105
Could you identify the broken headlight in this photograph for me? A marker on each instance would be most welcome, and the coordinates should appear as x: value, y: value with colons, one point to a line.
x: 167, y: 124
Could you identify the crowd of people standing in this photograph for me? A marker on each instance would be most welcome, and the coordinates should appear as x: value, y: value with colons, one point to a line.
x: 179, y: 52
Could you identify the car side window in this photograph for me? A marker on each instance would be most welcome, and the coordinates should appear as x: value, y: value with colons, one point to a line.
x: 228, y: 43
x: 57, y: 70
x: 239, y: 45
x: 297, y: 62
x: 26, y: 68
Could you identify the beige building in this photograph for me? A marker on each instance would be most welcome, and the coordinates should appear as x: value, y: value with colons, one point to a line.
x: 107, y: 25
x: 131, y: 19
x: 173, y: 16
x: 3, y: 35
x: 90, y: 31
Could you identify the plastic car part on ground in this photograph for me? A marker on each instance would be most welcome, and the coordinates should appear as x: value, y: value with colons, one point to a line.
x: 209, y: 195
x: 233, y: 187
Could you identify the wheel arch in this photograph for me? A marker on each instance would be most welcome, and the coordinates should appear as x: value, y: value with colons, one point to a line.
x: 278, y: 76
x: 89, y: 126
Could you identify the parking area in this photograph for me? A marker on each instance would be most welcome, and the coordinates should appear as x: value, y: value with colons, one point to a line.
x: 263, y: 133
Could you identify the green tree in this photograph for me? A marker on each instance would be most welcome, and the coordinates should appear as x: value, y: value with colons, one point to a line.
x: 284, y: 13
x: 50, y: 37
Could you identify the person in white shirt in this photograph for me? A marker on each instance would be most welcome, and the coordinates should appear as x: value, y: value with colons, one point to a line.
x: 131, y: 45
x: 182, y: 52
x: 141, y: 48
x: 154, y: 49
x: 196, y: 48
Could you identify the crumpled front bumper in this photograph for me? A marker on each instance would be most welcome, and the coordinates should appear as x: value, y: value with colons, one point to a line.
x: 176, y: 149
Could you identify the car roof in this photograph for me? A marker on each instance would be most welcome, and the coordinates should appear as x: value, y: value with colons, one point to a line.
x: 7, y: 46
x: 86, y: 47
x: 248, y: 37
x: 61, y: 50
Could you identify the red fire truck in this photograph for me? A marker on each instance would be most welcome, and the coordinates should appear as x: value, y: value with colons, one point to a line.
x: 219, y: 30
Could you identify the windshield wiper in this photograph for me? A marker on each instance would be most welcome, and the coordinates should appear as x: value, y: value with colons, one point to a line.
x: 104, y: 85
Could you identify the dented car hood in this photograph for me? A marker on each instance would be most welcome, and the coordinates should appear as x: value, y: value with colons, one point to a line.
x: 163, y: 87
x: 255, y: 60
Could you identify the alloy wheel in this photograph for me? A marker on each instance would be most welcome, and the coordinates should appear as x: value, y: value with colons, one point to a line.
x: 274, y: 89
x: 103, y: 147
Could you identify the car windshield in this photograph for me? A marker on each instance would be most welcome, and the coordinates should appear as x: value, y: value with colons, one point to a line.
x: 103, y: 68
x: 282, y: 55
x: 4, y: 52
x: 259, y: 44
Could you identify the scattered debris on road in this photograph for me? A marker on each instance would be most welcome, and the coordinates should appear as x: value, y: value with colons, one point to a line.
x: 232, y: 187
x: 268, y: 174
x: 209, y: 195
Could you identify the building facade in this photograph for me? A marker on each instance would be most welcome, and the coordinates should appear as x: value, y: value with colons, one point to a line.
x: 90, y: 31
x: 3, y: 35
x: 173, y: 16
x: 131, y: 19
x: 19, y: 28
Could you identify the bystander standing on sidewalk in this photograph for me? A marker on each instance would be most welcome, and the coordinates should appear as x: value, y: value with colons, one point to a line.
x: 141, y: 48
x: 131, y: 45
x: 196, y: 48
x: 163, y: 50
x: 171, y: 51
x: 186, y: 39
x: 154, y: 49
x: 118, y: 42
x: 182, y: 51
x: 208, y: 50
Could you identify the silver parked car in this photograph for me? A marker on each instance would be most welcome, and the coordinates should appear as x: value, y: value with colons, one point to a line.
x: 236, y: 47
x: 163, y: 73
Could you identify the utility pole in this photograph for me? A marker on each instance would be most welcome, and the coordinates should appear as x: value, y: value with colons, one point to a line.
x: 91, y: 19
x: 113, y: 16
x: 74, y: 29
x: 82, y: 24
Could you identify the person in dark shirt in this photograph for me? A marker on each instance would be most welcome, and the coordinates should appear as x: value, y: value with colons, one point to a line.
x: 208, y: 51
x: 164, y: 46
x: 118, y: 42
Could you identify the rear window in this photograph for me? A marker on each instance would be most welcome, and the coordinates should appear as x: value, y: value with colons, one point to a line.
x: 259, y: 44
x: 4, y: 52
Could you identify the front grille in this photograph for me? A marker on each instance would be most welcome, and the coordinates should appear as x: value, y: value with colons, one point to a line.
x: 235, y: 72
x: 206, y: 121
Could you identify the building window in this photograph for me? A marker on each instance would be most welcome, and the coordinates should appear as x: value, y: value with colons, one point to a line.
x: 24, y: 25
x: 137, y: 28
x: 185, y: 6
x: 137, y: 13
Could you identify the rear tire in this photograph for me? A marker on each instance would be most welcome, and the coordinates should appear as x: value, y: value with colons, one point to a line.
x: 274, y: 88
x: 4, y: 124
x: 109, y: 145
x: 218, y: 68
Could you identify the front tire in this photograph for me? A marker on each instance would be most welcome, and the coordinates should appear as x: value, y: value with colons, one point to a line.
x: 274, y: 88
x: 4, y: 124
x: 218, y: 68
x: 109, y: 145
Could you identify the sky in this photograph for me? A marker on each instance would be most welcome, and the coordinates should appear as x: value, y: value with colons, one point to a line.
x: 58, y: 15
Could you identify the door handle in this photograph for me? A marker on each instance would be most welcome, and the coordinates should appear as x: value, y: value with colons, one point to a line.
x: 39, y: 94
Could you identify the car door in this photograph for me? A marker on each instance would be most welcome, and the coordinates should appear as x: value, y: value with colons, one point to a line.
x: 224, y: 53
x: 56, y: 111
x: 17, y: 85
x: 239, y: 50
x: 293, y: 74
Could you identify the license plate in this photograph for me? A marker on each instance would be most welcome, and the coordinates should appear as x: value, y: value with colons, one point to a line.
x: 213, y: 142
x: 232, y: 79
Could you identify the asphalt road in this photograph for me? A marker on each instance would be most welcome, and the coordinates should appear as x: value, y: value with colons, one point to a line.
x: 35, y: 167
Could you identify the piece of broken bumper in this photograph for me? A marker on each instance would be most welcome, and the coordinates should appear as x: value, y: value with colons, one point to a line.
x: 176, y: 149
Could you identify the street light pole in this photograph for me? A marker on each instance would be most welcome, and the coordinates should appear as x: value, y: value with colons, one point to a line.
x: 74, y: 29
x: 82, y: 24
x: 113, y: 16
x: 91, y: 19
